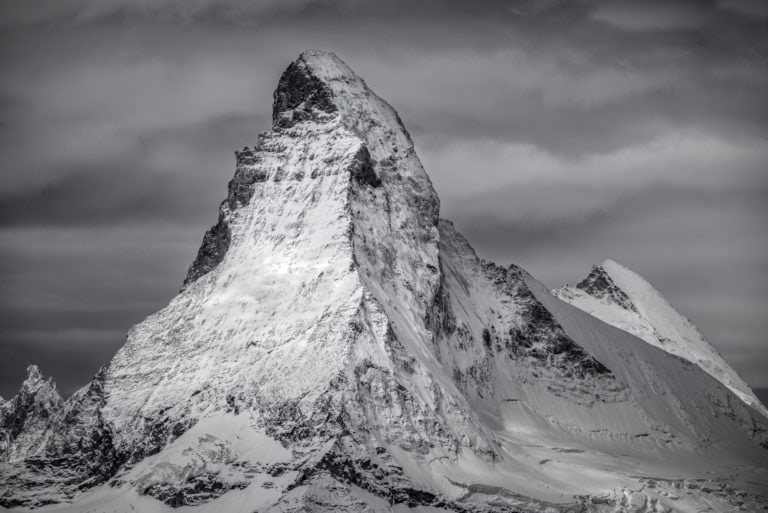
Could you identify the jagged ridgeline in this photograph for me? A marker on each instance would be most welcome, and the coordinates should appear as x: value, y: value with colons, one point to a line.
x: 338, y: 347
x: 624, y: 299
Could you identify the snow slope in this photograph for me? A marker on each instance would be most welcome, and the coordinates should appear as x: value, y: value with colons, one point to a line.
x: 622, y: 298
x: 338, y: 347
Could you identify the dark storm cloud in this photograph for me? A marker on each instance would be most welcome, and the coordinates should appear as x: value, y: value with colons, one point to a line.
x: 154, y: 177
x: 557, y: 134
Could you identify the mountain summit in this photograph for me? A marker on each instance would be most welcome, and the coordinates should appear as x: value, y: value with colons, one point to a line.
x: 338, y: 347
x: 624, y: 299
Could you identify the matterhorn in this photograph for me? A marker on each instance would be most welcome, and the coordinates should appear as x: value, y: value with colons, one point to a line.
x: 338, y: 347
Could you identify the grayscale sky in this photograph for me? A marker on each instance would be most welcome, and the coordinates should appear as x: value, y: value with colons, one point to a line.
x: 557, y: 133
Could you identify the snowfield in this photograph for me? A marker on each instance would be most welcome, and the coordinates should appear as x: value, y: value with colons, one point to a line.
x: 622, y: 298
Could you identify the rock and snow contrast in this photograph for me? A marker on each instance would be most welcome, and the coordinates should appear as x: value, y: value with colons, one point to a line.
x: 622, y: 298
x: 337, y: 347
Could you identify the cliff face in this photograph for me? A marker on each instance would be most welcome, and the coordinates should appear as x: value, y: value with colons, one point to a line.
x: 338, y: 347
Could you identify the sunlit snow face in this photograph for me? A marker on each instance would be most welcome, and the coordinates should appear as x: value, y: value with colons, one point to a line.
x: 556, y: 134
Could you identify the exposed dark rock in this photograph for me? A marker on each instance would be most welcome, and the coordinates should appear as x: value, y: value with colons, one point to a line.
x: 540, y: 336
x: 247, y: 173
x: 440, y: 320
x: 195, y: 491
x: 211, y: 253
x: 599, y: 284
x: 487, y: 338
x: 377, y: 475
x: 85, y: 439
x: 299, y: 93
x: 362, y: 168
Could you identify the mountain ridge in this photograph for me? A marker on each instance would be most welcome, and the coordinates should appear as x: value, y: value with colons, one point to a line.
x: 336, y: 346
x: 651, y: 317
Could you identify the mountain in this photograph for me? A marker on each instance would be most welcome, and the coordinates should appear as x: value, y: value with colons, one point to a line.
x: 25, y: 417
x: 336, y: 346
x: 622, y: 298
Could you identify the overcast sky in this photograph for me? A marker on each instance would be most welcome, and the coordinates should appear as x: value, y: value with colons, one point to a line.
x: 557, y: 134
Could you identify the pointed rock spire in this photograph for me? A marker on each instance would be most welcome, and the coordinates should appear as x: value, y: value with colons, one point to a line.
x: 34, y: 377
x: 36, y: 383
x: 28, y: 413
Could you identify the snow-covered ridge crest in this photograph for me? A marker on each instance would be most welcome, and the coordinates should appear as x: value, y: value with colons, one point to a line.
x: 623, y: 298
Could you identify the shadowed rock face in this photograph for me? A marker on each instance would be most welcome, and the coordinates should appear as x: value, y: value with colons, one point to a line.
x: 299, y: 95
x: 211, y: 252
x: 598, y: 283
x: 338, y: 347
x: 540, y: 334
x: 363, y: 170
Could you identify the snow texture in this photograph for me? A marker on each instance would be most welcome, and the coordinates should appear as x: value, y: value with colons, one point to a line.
x: 338, y: 347
x: 622, y: 298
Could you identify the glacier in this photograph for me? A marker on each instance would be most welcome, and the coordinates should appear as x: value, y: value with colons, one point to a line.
x: 337, y: 346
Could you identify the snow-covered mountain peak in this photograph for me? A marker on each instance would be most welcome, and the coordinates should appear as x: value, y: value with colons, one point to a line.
x: 337, y: 347
x: 621, y: 297
x: 327, y: 66
x: 303, y: 91
x: 616, y: 270
x: 599, y: 283
x: 319, y: 86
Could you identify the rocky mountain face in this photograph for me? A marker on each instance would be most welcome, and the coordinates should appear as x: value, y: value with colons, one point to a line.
x: 27, y: 415
x: 338, y: 347
x: 622, y: 298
